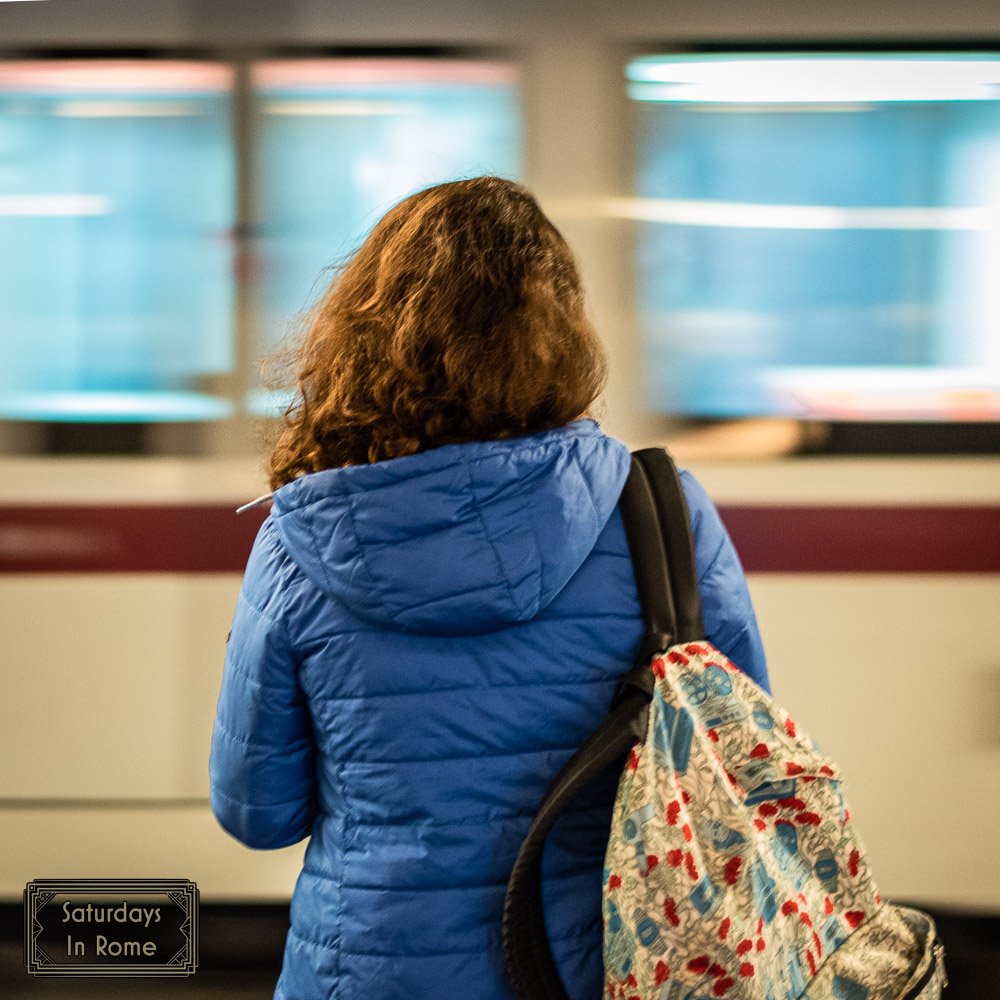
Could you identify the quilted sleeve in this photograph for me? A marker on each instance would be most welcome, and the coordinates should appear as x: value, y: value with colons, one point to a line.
x: 262, y: 760
x: 730, y: 621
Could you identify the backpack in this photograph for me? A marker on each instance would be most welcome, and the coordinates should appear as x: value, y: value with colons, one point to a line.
x: 733, y: 867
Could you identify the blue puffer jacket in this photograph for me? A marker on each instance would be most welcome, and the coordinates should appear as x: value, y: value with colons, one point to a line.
x: 419, y: 645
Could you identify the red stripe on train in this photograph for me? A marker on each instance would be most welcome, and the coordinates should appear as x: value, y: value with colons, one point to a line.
x: 833, y: 539
x: 153, y: 538
x: 211, y: 538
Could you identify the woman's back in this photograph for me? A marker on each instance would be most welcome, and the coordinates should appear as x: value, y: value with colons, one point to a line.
x: 420, y: 644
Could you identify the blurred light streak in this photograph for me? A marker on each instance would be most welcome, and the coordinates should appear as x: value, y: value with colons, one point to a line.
x: 895, y: 392
x: 795, y: 80
x: 123, y: 109
x: 732, y: 214
x: 130, y: 76
x: 113, y: 407
x: 797, y: 108
x: 293, y: 73
x: 339, y: 107
x: 55, y: 204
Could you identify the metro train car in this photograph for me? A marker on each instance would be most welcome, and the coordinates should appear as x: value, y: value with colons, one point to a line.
x: 788, y: 224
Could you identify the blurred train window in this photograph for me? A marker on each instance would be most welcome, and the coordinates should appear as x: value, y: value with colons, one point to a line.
x: 819, y: 233
x: 338, y: 141
x: 116, y: 213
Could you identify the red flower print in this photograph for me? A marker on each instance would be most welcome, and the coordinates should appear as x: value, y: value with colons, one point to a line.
x: 732, y: 869
x: 789, y: 906
x: 854, y: 917
x: 633, y: 760
x: 852, y: 863
x: 760, y: 944
x: 828, y: 771
x: 744, y: 946
x: 816, y: 941
x: 791, y: 768
x: 767, y: 809
x: 674, y: 657
x: 690, y: 865
x: 806, y: 919
x: 631, y: 980
x: 651, y: 862
x: 827, y: 905
x: 715, y: 970
x: 760, y: 824
x: 659, y: 667
x: 722, y: 987
x: 724, y: 928
x: 670, y: 911
x: 673, y: 811
x: 613, y: 882
x: 698, y: 965
x: 789, y: 727
x: 695, y: 650
x: 685, y: 797
x: 808, y: 818
x: 791, y: 803
x: 688, y: 835
x: 712, y: 735
x: 675, y: 857
x: 662, y: 973
x: 811, y: 961
x: 760, y: 750
x: 747, y: 970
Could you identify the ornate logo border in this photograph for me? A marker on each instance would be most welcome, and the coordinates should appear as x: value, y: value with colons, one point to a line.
x: 180, y: 892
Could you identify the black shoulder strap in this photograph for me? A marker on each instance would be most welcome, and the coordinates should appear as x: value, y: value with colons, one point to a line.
x: 649, y: 503
x: 675, y: 526
x: 646, y: 547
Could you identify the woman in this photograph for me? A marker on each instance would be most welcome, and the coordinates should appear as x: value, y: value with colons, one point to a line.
x: 436, y: 610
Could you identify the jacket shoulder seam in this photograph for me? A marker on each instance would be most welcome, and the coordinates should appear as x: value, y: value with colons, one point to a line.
x: 269, y: 537
x: 362, y: 557
x: 686, y: 474
x: 235, y: 667
x: 474, y: 500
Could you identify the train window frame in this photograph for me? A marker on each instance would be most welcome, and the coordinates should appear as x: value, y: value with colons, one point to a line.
x: 807, y: 435
x: 238, y: 433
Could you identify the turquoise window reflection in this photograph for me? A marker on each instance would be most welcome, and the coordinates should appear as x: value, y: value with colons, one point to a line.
x: 819, y: 235
x: 339, y: 141
x: 116, y: 214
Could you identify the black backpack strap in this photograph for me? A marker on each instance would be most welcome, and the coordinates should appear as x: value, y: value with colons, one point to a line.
x: 675, y: 525
x: 530, y: 964
x: 643, y: 503
x: 649, y: 562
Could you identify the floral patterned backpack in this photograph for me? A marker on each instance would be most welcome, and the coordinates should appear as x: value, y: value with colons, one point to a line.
x: 733, y: 868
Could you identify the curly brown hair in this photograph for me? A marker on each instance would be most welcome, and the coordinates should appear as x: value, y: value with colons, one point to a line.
x: 460, y: 318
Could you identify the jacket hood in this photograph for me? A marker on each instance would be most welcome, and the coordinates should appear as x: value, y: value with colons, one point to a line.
x: 461, y: 539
